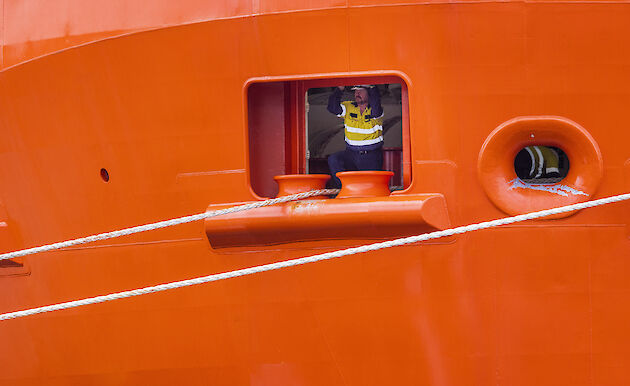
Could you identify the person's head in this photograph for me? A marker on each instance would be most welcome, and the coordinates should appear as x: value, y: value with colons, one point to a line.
x: 361, y: 95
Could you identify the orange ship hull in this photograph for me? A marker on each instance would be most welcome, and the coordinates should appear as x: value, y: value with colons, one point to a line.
x: 161, y: 99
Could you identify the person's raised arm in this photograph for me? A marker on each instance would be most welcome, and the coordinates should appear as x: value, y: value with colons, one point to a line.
x: 374, y: 99
x: 334, y: 101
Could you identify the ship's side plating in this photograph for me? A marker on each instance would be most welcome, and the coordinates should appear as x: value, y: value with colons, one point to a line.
x: 160, y: 103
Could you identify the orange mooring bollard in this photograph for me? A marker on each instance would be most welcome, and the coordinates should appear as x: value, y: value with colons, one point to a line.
x: 299, y: 183
x: 366, y: 183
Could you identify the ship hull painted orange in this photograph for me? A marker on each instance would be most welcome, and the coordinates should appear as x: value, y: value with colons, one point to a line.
x: 164, y: 111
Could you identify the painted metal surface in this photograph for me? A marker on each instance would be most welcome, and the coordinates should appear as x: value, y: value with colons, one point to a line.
x: 161, y: 104
x: 346, y: 218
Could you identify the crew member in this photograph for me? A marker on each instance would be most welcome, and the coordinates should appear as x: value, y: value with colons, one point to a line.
x: 537, y: 162
x: 363, y: 122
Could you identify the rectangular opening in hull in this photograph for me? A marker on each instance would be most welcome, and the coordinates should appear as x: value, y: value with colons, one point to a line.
x: 292, y: 131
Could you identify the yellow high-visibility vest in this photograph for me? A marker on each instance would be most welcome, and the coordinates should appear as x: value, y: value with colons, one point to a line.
x: 544, y: 160
x: 361, y: 129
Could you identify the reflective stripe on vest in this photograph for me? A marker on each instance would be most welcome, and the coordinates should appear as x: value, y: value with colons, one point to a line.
x: 361, y: 129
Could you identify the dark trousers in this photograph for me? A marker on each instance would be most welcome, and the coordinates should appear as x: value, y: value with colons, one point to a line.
x: 351, y: 160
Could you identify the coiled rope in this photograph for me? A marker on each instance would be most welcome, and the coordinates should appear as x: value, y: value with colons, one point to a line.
x: 165, y: 223
x: 314, y: 258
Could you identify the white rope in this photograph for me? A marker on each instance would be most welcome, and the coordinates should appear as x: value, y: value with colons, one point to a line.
x: 165, y: 223
x: 311, y: 259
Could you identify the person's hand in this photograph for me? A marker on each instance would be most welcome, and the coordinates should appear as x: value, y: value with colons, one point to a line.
x: 341, y: 88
